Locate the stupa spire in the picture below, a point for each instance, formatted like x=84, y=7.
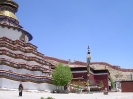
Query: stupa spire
x=9, y=22
x=8, y=8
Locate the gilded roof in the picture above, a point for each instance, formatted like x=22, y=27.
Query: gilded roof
x=8, y=14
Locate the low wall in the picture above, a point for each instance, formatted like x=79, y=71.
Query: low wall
x=11, y=84
x=127, y=86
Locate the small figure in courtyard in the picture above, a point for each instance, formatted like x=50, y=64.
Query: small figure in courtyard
x=88, y=88
x=106, y=91
x=81, y=89
x=20, y=88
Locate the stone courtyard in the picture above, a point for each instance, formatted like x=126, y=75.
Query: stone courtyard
x=38, y=95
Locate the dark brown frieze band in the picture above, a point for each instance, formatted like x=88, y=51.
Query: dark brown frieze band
x=23, y=44
x=4, y=61
x=21, y=56
x=20, y=48
x=16, y=48
x=24, y=77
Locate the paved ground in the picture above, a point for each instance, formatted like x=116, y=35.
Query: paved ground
x=38, y=95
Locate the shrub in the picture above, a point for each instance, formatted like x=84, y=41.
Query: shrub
x=46, y=98
x=112, y=83
x=41, y=98
x=101, y=84
x=49, y=98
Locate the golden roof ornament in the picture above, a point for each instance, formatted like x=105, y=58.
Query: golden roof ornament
x=9, y=3
x=8, y=8
x=8, y=14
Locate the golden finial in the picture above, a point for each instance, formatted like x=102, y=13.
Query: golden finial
x=8, y=14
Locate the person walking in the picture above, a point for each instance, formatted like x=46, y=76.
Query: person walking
x=20, y=89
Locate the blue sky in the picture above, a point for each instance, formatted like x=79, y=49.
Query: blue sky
x=64, y=29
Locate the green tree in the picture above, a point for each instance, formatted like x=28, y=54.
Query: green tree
x=62, y=75
x=112, y=83
x=101, y=84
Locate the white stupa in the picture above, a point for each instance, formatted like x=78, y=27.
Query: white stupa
x=19, y=60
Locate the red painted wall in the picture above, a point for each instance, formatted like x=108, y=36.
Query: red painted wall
x=103, y=78
x=127, y=86
x=84, y=75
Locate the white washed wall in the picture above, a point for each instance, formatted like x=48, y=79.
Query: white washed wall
x=20, y=71
x=45, y=74
x=0, y=82
x=11, y=33
x=37, y=73
x=17, y=52
x=20, y=60
x=33, y=55
x=118, y=84
x=10, y=84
